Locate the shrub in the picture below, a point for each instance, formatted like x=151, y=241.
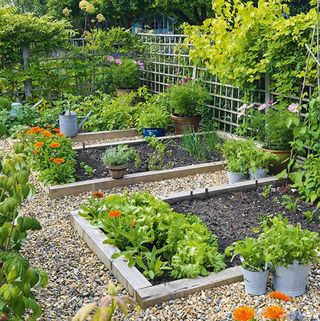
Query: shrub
x=188, y=98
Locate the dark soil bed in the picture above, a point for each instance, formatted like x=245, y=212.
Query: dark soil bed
x=174, y=153
x=234, y=216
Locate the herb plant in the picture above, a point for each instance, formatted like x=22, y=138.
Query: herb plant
x=153, y=116
x=285, y=243
x=120, y=155
x=156, y=159
x=188, y=98
x=251, y=254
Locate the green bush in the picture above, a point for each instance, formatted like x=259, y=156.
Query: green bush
x=188, y=98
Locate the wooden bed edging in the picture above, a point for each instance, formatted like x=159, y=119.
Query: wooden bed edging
x=136, y=284
x=133, y=280
x=108, y=134
x=55, y=191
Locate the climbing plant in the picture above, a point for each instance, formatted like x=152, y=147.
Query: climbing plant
x=244, y=41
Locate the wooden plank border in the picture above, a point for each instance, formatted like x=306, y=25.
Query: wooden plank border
x=136, y=284
x=55, y=191
x=110, y=134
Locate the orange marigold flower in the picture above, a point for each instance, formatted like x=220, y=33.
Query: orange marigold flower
x=46, y=133
x=98, y=194
x=58, y=160
x=243, y=313
x=55, y=145
x=36, y=130
x=56, y=130
x=274, y=312
x=279, y=295
x=38, y=144
x=114, y=213
x=60, y=134
x=35, y=152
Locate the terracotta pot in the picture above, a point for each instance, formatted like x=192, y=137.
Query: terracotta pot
x=278, y=166
x=122, y=92
x=118, y=172
x=182, y=124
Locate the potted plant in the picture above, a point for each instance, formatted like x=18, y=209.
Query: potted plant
x=255, y=269
x=260, y=163
x=291, y=250
x=154, y=120
x=117, y=159
x=268, y=125
x=237, y=154
x=187, y=99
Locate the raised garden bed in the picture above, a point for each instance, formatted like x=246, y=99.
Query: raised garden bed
x=91, y=155
x=184, y=165
x=137, y=285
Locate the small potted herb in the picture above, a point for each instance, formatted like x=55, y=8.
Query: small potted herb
x=154, y=120
x=260, y=163
x=117, y=159
x=291, y=250
x=237, y=156
x=187, y=100
x=255, y=269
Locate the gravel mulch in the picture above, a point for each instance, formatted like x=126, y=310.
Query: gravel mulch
x=76, y=276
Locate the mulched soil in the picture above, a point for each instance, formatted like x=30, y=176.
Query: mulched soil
x=233, y=216
x=174, y=153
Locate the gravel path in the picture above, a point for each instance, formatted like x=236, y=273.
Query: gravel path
x=77, y=276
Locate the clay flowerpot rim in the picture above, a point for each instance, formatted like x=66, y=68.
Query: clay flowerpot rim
x=175, y=116
x=118, y=167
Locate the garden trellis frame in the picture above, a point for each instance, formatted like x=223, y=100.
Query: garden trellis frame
x=167, y=61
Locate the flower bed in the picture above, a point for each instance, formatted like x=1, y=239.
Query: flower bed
x=50, y=154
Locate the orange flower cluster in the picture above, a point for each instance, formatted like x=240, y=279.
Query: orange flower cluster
x=58, y=160
x=34, y=130
x=243, y=313
x=38, y=145
x=274, y=312
x=98, y=194
x=55, y=145
x=35, y=152
x=114, y=214
x=279, y=295
x=44, y=132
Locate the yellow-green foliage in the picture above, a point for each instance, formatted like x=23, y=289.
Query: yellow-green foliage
x=245, y=41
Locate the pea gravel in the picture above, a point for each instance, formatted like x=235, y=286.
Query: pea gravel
x=76, y=276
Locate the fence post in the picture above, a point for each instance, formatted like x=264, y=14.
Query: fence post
x=27, y=83
x=267, y=87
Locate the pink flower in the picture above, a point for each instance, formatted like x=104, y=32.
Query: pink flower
x=293, y=108
x=263, y=107
x=167, y=85
x=140, y=64
x=185, y=80
x=118, y=61
x=110, y=58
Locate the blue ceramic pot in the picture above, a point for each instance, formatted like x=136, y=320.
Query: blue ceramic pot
x=157, y=132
